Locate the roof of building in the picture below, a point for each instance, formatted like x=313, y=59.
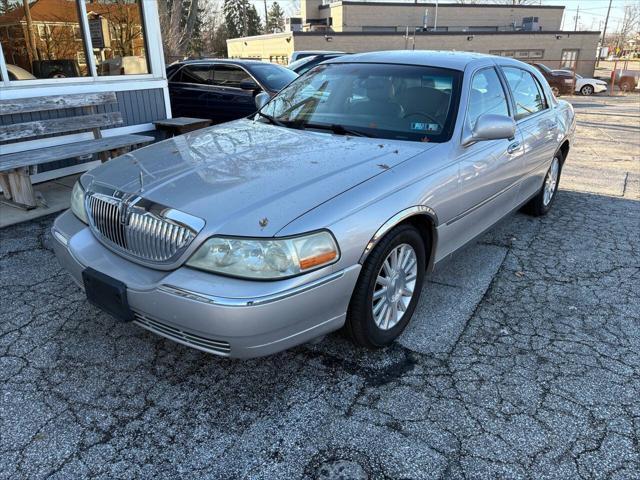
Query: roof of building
x=421, y=4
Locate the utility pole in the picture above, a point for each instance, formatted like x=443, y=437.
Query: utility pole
x=575, y=27
x=604, y=33
x=266, y=17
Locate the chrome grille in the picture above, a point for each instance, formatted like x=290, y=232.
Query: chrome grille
x=134, y=230
x=196, y=341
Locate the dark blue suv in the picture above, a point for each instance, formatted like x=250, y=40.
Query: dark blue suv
x=222, y=90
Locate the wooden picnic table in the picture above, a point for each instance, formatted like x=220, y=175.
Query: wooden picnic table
x=179, y=125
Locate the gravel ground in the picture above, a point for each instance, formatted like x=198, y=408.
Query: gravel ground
x=523, y=361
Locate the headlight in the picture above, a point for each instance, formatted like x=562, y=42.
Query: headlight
x=77, y=202
x=263, y=258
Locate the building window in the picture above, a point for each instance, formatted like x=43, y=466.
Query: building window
x=569, y=59
x=45, y=47
x=520, y=54
x=118, y=37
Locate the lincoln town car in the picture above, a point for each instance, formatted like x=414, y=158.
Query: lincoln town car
x=323, y=211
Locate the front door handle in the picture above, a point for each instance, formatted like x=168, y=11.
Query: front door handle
x=513, y=148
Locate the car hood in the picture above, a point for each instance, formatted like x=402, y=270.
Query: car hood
x=250, y=178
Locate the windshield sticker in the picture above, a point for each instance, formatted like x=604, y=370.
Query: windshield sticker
x=424, y=127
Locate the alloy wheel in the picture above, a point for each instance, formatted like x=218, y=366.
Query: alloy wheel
x=394, y=286
x=551, y=181
x=587, y=90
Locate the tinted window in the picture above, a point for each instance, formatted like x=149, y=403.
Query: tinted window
x=195, y=74
x=274, y=77
x=486, y=96
x=379, y=100
x=230, y=76
x=526, y=92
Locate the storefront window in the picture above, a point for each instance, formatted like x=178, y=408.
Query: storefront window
x=42, y=39
x=118, y=37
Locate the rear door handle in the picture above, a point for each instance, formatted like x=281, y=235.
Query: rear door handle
x=513, y=148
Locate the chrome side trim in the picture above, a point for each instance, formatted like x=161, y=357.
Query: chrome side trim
x=482, y=203
x=392, y=222
x=249, y=302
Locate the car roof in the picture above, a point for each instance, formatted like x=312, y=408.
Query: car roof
x=432, y=58
x=230, y=61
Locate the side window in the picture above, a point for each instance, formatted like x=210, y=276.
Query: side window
x=201, y=74
x=229, y=76
x=486, y=96
x=527, y=93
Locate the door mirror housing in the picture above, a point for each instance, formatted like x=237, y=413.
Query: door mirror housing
x=249, y=85
x=261, y=99
x=491, y=127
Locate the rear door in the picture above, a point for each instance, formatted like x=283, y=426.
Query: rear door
x=190, y=91
x=231, y=101
x=536, y=121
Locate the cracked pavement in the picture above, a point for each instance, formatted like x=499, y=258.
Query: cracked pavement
x=523, y=361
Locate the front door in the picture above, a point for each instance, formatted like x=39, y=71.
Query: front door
x=231, y=101
x=489, y=171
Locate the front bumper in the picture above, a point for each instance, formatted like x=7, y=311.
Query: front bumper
x=224, y=316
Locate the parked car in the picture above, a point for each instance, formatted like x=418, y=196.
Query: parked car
x=586, y=86
x=309, y=53
x=561, y=83
x=18, y=73
x=305, y=64
x=324, y=210
x=222, y=90
x=61, y=68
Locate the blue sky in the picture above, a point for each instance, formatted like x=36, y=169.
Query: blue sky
x=592, y=12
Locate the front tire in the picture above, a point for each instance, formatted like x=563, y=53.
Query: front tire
x=586, y=90
x=542, y=202
x=388, y=288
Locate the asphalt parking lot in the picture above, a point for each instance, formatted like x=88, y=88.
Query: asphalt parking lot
x=523, y=361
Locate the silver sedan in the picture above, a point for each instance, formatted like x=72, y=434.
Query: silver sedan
x=323, y=211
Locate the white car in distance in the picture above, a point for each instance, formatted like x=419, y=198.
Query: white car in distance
x=587, y=86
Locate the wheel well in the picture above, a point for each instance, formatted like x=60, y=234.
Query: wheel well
x=425, y=225
x=564, y=149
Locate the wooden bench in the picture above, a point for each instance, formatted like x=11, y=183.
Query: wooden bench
x=180, y=125
x=14, y=167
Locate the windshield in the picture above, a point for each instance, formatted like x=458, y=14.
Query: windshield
x=403, y=102
x=272, y=76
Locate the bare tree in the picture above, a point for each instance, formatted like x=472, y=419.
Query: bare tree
x=629, y=26
x=177, y=20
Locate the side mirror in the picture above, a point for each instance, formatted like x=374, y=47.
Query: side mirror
x=491, y=127
x=249, y=85
x=262, y=99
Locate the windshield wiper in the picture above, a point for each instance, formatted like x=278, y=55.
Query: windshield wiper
x=272, y=120
x=337, y=129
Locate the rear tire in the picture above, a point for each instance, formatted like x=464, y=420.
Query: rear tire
x=543, y=201
x=586, y=90
x=387, y=293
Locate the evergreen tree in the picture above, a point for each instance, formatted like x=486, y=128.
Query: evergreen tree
x=254, y=25
x=236, y=13
x=275, y=18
